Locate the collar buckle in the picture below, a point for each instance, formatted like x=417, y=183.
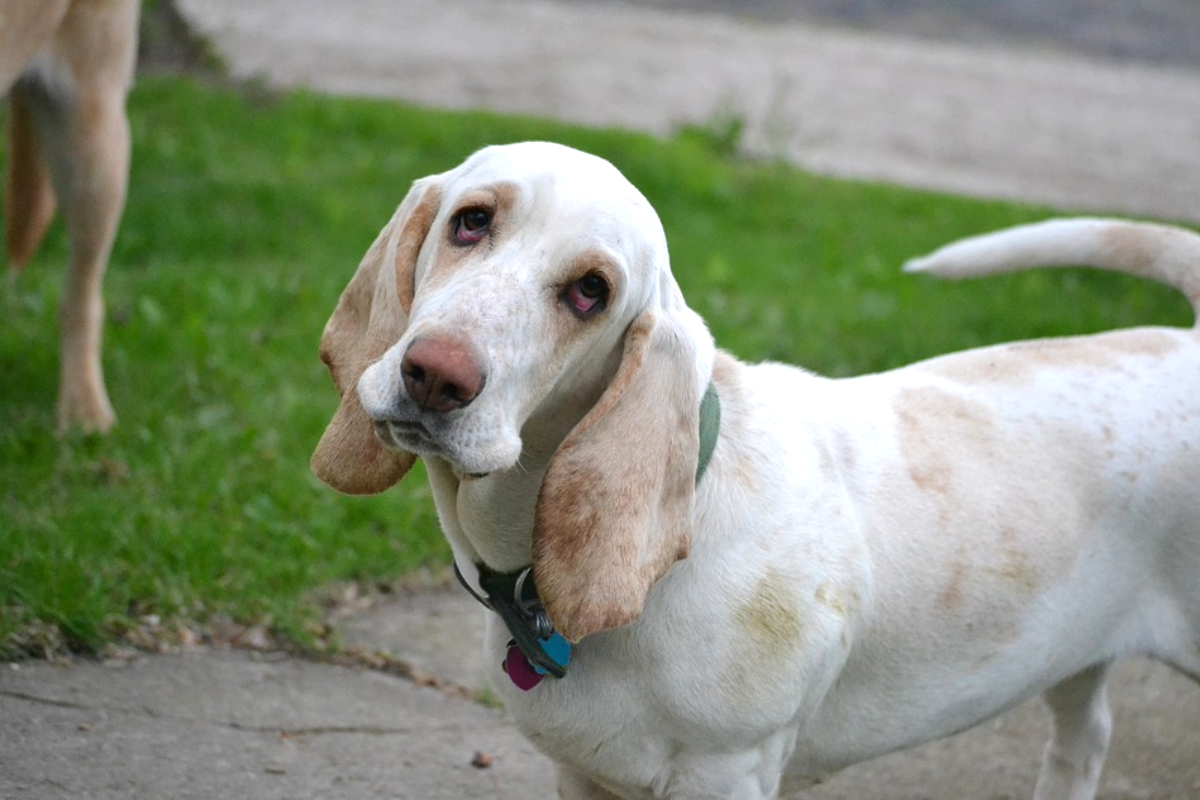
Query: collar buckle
x=513, y=596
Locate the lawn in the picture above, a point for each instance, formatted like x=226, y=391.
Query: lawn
x=248, y=213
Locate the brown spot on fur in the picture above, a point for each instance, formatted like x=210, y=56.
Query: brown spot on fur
x=725, y=370
x=1016, y=567
x=934, y=423
x=844, y=605
x=1099, y=351
x=1012, y=567
x=770, y=618
x=952, y=595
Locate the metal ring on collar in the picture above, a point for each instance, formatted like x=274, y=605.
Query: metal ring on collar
x=542, y=627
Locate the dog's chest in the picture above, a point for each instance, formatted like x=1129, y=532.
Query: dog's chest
x=657, y=699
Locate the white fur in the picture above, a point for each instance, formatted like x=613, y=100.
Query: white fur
x=876, y=562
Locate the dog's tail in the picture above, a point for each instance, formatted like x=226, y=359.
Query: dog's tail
x=1167, y=254
x=28, y=194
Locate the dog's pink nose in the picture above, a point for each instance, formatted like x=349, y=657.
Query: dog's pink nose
x=441, y=373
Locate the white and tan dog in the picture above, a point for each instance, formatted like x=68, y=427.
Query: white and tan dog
x=67, y=66
x=834, y=570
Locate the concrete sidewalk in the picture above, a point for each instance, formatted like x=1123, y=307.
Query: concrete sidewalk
x=1036, y=126
x=223, y=724
x=260, y=726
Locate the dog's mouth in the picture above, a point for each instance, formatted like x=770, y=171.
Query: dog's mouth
x=403, y=435
x=414, y=437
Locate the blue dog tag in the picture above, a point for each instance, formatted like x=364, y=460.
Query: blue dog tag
x=558, y=648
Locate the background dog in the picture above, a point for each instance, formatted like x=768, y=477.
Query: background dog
x=68, y=67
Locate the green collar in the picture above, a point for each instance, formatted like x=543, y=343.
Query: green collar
x=710, y=426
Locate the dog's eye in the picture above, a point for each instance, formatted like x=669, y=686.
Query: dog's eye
x=587, y=295
x=471, y=225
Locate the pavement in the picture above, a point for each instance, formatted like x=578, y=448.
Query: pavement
x=1047, y=126
x=222, y=723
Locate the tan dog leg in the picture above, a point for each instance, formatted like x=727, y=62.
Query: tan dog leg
x=69, y=116
x=93, y=194
x=25, y=28
x=29, y=196
x=86, y=143
x=90, y=173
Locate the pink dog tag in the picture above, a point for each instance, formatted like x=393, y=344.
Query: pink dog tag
x=519, y=670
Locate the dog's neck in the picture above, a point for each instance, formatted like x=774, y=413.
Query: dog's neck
x=489, y=520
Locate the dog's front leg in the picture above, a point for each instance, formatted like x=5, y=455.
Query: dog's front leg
x=78, y=108
x=92, y=173
x=1074, y=756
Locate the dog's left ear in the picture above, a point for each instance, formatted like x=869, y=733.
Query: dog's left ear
x=615, y=508
x=370, y=317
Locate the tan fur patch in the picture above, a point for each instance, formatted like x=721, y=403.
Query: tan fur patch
x=411, y=239
x=771, y=618
x=845, y=605
x=1147, y=250
x=988, y=526
x=934, y=423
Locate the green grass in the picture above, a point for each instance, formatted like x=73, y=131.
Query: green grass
x=246, y=216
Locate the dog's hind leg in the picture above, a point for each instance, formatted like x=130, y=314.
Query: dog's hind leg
x=1074, y=757
x=25, y=28
x=29, y=196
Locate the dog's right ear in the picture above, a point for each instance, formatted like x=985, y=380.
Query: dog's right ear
x=370, y=317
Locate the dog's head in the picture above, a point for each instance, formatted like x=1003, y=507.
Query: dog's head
x=520, y=310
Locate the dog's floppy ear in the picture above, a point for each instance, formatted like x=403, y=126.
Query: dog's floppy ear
x=370, y=317
x=615, y=508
